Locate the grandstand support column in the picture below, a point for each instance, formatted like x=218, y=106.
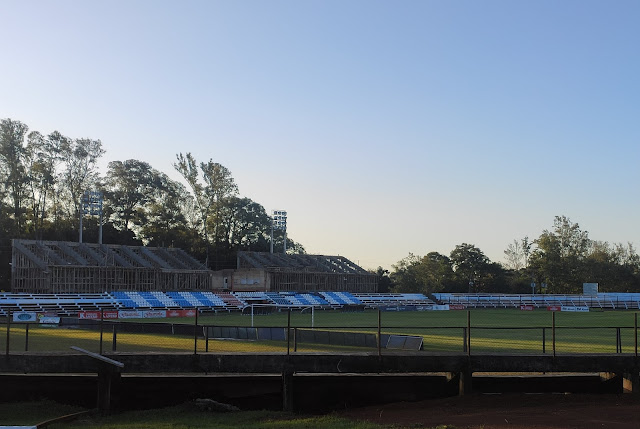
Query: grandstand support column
x=631, y=382
x=107, y=376
x=461, y=381
x=287, y=388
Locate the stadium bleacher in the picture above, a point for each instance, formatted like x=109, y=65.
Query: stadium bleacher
x=72, y=304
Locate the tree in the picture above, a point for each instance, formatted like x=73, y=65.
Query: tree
x=79, y=157
x=559, y=259
x=12, y=170
x=405, y=275
x=429, y=274
x=514, y=255
x=129, y=187
x=165, y=223
x=435, y=272
x=384, y=281
x=42, y=158
x=243, y=222
x=209, y=198
x=469, y=264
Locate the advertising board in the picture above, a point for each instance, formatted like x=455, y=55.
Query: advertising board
x=181, y=313
x=95, y=315
x=574, y=309
x=25, y=316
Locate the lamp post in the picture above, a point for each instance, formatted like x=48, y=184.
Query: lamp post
x=91, y=204
x=279, y=221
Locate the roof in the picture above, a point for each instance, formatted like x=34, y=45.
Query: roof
x=299, y=262
x=44, y=254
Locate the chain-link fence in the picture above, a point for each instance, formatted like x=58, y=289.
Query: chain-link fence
x=333, y=331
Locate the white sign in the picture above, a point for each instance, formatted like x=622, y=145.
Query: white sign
x=50, y=320
x=129, y=314
x=444, y=307
x=154, y=314
x=24, y=316
x=572, y=308
x=142, y=314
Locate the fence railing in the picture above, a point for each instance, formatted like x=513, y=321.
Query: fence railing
x=296, y=332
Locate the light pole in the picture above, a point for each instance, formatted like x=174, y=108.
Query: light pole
x=279, y=221
x=91, y=204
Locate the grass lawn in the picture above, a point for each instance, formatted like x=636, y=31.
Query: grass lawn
x=499, y=331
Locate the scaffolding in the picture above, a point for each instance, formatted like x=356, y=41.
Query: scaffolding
x=303, y=273
x=66, y=267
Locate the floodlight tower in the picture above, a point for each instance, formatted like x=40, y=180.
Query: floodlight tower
x=91, y=204
x=279, y=221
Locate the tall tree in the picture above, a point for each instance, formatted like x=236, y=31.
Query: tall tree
x=514, y=256
x=12, y=170
x=129, y=186
x=244, y=222
x=80, y=174
x=209, y=197
x=165, y=223
x=559, y=259
x=470, y=264
x=42, y=158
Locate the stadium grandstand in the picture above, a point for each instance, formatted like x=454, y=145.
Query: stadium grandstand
x=68, y=278
x=58, y=267
x=73, y=304
x=206, y=301
x=279, y=272
x=611, y=301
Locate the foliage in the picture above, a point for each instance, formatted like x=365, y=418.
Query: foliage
x=560, y=259
x=45, y=177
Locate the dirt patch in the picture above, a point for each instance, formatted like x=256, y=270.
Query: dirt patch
x=501, y=411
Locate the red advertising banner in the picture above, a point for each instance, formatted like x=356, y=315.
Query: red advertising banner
x=456, y=306
x=526, y=307
x=181, y=313
x=95, y=315
x=554, y=308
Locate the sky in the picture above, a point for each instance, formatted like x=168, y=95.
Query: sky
x=383, y=128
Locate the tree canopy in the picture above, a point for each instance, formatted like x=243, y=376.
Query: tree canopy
x=44, y=178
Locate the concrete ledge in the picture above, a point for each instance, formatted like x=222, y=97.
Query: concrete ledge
x=246, y=363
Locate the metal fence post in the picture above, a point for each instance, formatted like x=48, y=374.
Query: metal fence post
x=101, y=328
x=206, y=339
x=295, y=339
x=635, y=333
x=553, y=332
x=544, y=340
x=195, y=334
x=8, y=331
x=288, y=331
x=26, y=338
x=464, y=339
x=379, y=332
x=113, y=339
x=468, y=332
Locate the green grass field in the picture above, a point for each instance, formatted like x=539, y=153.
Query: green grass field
x=492, y=331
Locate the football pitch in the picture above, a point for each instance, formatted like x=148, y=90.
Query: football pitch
x=499, y=331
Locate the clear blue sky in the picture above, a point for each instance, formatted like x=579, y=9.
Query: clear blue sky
x=382, y=127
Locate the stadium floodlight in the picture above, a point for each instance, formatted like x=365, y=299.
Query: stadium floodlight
x=91, y=204
x=279, y=221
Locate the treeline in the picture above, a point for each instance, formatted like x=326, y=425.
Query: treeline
x=560, y=260
x=44, y=178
